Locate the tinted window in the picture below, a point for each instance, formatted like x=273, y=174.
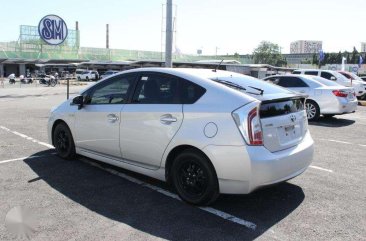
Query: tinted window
x=166, y=89
x=326, y=75
x=157, y=89
x=114, y=91
x=296, y=72
x=190, y=92
x=281, y=108
x=291, y=82
x=311, y=73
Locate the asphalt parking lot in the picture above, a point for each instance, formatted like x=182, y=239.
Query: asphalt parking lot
x=87, y=200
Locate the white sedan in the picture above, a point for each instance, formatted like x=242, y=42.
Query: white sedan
x=325, y=97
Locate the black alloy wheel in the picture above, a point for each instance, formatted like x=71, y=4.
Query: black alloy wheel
x=194, y=178
x=63, y=142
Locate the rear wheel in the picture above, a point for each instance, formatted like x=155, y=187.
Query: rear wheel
x=87, y=78
x=312, y=110
x=194, y=178
x=63, y=141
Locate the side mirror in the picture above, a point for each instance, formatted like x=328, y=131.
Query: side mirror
x=333, y=78
x=79, y=101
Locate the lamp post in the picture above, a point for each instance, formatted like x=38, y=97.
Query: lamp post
x=169, y=34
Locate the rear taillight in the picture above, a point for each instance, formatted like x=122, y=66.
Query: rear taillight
x=340, y=93
x=254, y=128
x=248, y=122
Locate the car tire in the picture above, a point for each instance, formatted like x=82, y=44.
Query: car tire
x=87, y=78
x=64, y=142
x=79, y=79
x=328, y=116
x=194, y=178
x=312, y=110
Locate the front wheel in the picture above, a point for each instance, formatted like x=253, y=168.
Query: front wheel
x=194, y=178
x=64, y=142
x=312, y=110
x=53, y=83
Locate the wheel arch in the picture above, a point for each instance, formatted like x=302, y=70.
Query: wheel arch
x=175, y=152
x=57, y=122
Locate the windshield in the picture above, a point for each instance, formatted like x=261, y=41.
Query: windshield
x=355, y=77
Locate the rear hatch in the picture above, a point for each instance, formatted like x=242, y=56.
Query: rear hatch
x=284, y=122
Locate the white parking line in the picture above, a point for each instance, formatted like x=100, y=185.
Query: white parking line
x=320, y=168
x=216, y=212
x=342, y=142
x=331, y=140
x=26, y=137
x=22, y=158
x=213, y=211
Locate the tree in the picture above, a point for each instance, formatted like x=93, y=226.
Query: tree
x=268, y=53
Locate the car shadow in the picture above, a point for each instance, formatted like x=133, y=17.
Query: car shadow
x=332, y=122
x=151, y=212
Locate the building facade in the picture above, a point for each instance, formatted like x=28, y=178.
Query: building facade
x=363, y=47
x=305, y=47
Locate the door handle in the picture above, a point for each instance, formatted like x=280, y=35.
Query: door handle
x=112, y=118
x=167, y=119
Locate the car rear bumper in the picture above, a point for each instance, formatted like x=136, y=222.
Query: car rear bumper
x=243, y=169
x=344, y=106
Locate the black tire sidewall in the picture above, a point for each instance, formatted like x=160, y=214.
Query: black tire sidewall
x=212, y=190
x=70, y=153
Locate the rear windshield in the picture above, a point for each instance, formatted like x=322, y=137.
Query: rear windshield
x=325, y=81
x=248, y=82
x=281, y=107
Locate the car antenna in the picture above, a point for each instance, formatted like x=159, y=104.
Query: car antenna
x=215, y=70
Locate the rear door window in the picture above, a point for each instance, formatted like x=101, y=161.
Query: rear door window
x=327, y=75
x=291, y=82
x=156, y=88
x=311, y=73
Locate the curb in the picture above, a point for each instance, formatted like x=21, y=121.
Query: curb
x=362, y=102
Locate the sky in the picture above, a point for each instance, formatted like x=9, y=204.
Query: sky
x=225, y=26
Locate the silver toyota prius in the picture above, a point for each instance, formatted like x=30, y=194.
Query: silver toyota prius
x=194, y=128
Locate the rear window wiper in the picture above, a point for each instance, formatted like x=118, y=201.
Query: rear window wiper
x=231, y=84
x=260, y=90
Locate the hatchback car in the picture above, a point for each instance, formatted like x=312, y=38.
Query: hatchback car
x=193, y=128
x=325, y=97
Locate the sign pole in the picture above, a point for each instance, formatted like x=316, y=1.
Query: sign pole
x=68, y=84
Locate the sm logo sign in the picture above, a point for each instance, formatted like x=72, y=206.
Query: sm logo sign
x=52, y=29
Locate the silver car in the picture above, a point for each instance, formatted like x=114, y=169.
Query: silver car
x=195, y=129
x=325, y=97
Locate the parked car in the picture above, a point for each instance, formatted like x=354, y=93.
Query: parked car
x=325, y=97
x=88, y=75
x=108, y=73
x=353, y=77
x=195, y=129
x=360, y=88
x=363, y=78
